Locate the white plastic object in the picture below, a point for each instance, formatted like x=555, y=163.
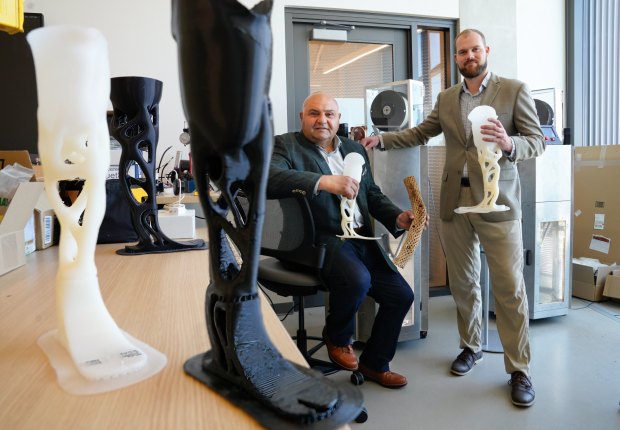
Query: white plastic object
x=488, y=155
x=73, y=85
x=353, y=165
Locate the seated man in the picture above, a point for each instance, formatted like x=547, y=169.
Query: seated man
x=312, y=162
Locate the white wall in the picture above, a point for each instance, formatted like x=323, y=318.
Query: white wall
x=541, y=43
x=498, y=21
x=141, y=44
x=527, y=38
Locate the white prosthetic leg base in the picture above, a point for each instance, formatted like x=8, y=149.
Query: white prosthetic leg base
x=73, y=382
x=99, y=356
x=481, y=209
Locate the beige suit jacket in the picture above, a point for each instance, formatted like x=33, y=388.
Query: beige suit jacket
x=515, y=110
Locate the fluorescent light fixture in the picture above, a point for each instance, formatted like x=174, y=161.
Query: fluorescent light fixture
x=329, y=34
x=357, y=57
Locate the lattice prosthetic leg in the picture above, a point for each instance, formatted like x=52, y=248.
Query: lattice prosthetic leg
x=73, y=85
x=347, y=208
x=488, y=156
x=353, y=165
x=225, y=58
x=414, y=234
x=135, y=125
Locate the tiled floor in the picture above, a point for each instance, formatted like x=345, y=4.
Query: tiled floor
x=575, y=370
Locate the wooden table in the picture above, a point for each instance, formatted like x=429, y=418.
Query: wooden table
x=158, y=299
x=186, y=198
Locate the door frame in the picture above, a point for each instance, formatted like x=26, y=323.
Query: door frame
x=409, y=23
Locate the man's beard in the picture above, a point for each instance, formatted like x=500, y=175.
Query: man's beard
x=477, y=71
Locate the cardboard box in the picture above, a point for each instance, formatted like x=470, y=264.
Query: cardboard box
x=596, y=220
x=17, y=227
x=23, y=158
x=612, y=285
x=589, y=280
x=46, y=228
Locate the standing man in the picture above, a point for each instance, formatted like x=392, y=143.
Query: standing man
x=312, y=162
x=518, y=134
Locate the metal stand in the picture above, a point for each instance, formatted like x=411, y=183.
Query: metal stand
x=490, y=338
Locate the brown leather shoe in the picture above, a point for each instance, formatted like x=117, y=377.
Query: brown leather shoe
x=342, y=356
x=387, y=379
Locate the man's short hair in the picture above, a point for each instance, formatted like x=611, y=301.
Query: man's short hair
x=471, y=30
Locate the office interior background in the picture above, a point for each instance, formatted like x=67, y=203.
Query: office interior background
x=549, y=44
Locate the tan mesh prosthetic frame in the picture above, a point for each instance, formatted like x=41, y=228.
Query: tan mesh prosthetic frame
x=417, y=225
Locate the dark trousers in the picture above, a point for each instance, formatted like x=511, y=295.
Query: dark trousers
x=359, y=270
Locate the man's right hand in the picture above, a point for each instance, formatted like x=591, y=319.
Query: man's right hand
x=340, y=185
x=370, y=142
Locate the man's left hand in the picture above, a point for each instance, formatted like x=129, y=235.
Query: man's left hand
x=495, y=133
x=404, y=220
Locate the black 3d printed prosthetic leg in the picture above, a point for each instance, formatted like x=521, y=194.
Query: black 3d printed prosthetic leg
x=225, y=65
x=135, y=125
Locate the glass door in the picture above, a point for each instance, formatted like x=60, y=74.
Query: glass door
x=369, y=56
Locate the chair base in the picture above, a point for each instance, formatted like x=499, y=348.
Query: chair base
x=323, y=366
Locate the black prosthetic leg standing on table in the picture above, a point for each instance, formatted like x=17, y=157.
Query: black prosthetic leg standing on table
x=135, y=125
x=225, y=65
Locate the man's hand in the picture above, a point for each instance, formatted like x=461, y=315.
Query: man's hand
x=370, y=142
x=495, y=133
x=405, y=219
x=340, y=185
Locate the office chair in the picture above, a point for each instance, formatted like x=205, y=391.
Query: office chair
x=290, y=264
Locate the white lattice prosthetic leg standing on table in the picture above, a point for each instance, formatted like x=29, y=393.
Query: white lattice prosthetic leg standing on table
x=488, y=155
x=73, y=83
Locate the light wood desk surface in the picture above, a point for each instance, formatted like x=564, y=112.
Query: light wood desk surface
x=156, y=298
x=186, y=198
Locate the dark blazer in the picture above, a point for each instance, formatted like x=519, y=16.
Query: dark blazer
x=297, y=165
x=515, y=110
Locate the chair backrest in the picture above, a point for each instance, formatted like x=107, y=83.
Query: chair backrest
x=289, y=234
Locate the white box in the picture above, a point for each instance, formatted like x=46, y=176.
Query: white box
x=17, y=236
x=178, y=226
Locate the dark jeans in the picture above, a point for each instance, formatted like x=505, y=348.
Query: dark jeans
x=359, y=270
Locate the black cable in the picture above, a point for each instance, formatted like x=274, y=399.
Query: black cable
x=288, y=313
x=162, y=157
x=272, y=304
x=265, y=293
x=161, y=175
x=161, y=172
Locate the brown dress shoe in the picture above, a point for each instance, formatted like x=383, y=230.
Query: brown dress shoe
x=387, y=379
x=342, y=356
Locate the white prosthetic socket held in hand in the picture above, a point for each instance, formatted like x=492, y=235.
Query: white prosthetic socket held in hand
x=353, y=165
x=88, y=351
x=488, y=155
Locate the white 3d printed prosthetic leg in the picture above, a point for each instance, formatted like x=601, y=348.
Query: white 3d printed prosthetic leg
x=353, y=165
x=488, y=155
x=88, y=351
